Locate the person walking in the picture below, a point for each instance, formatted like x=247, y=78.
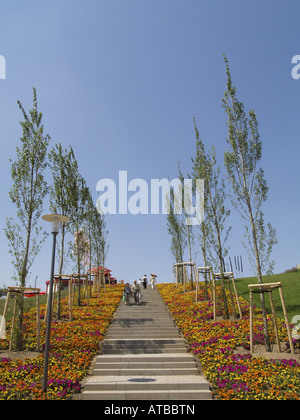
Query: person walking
x=145, y=281
x=152, y=281
x=136, y=292
x=127, y=293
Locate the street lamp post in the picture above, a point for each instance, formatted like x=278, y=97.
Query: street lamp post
x=55, y=219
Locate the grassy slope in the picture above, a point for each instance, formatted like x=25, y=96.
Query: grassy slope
x=28, y=304
x=290, y=287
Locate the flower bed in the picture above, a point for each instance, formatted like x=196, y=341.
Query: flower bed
x=73, y=347
x=232, y=375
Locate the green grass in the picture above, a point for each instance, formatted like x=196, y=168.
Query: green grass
x=28, y=304
x=291, y=292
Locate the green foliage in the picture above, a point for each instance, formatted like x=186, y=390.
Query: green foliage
x=248, y=182
x=63, y=165
x=214, y=230
x=176, y=230
x=27, y=194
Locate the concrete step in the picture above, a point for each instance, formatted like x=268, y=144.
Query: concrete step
x=137, y=341
x=142, y=327
x=115, y=344
x=124, y=383
x=154, y=395
x=139, y=365
x=140, y=331
x=139, y=314
x=175, y=357
x=146, y=371
x=148, y=327
x=124, y=320
x=142, y=334
x=132, y=345
x=145, y=350
x=147, y=346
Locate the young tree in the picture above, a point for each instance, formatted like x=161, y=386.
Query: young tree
x=176, y=228
x=187, y=228
x=248, y=181
x=27, y=193
x=98, y=236
x=80, y=197
x=63, y=165
x=205, y=227
x=205, y=167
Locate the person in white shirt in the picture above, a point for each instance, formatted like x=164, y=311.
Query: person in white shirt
x=145, y=281
x=152, y=281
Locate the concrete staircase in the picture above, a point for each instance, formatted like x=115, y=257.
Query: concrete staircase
x=144, y=358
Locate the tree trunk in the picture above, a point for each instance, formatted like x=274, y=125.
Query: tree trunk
x=260, y=281
x=19, y=325
x=60, y=271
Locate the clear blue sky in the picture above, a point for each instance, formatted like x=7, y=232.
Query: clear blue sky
x=120, y=80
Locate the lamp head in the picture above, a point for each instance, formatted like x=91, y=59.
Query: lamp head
x=55, y=219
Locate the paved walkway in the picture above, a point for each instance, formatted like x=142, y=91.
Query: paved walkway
x=145, y=358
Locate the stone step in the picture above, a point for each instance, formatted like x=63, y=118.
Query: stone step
x=146, y=371
x=175, y=357
x=147, y=317
x=145, y=395
x=132, y=345
x=142, y=335
x=136, y=351
x=135, y=322
x=139, y=365
x=112, y=383
x=162, y=331
x=148, y=327
x=141, y=325
x=141, y=314
x=143, y=343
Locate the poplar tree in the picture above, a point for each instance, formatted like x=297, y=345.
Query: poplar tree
x=205, y=167
x=248, y=182
x=27, y=194
x=80, y=197
x=186, y=227
x=63, y=165
x=176, y=228
x=97, y=235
